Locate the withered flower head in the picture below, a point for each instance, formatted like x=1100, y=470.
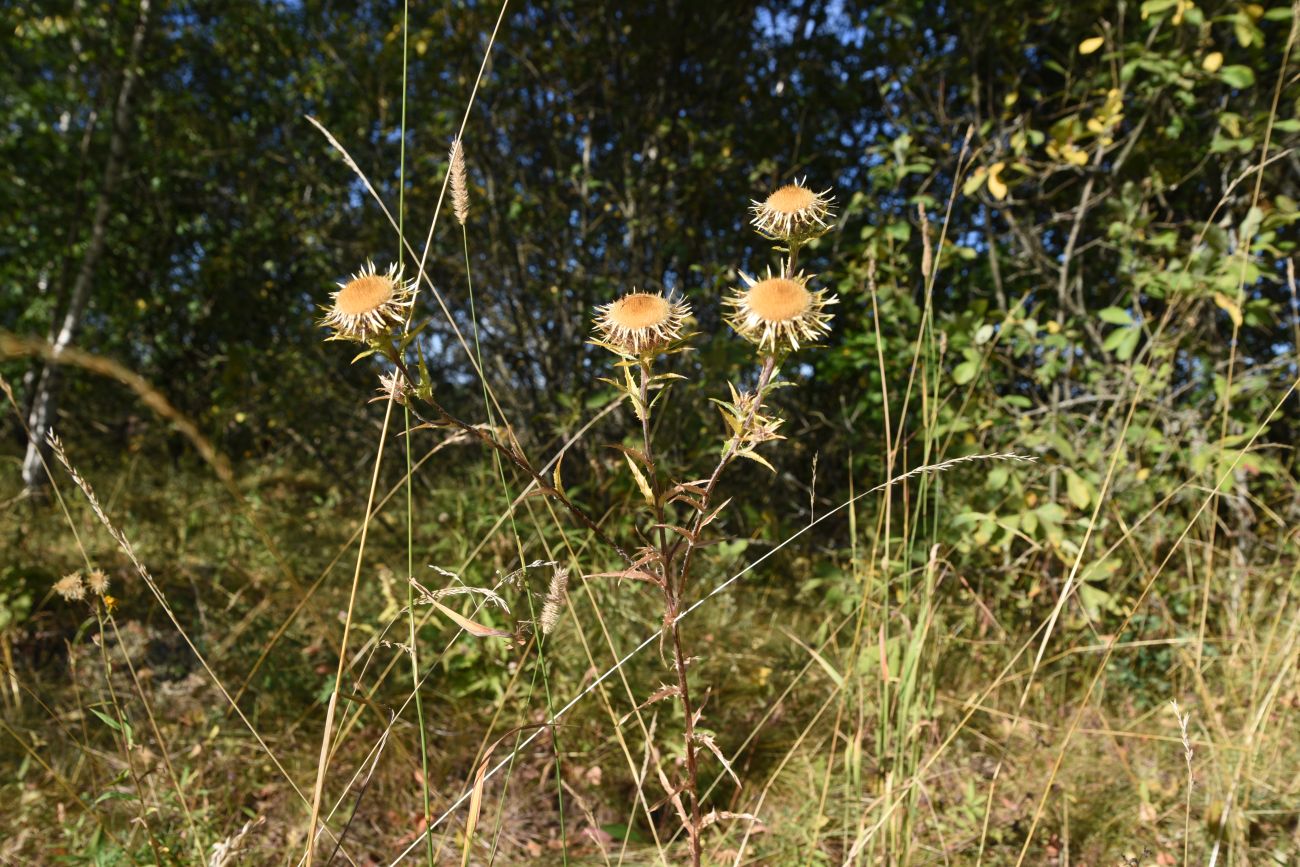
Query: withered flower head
x=393, y=386
x=97, y=581
x=70, y=587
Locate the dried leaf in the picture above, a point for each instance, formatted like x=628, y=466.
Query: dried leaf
x=715, y=816
x=707, y=740
x=708, y=519
x=478, y=630
x=633, y=574
x=663, y=692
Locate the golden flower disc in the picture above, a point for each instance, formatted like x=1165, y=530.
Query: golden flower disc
x=640, y=310
x=779, y=312
x=791, y=199
x=363, y=294
x=368, y=304
x=778, y=299
x=640, y=322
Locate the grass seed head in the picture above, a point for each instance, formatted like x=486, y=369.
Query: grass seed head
x=793, y=212
x=641, y=322
x=556, y=597
x=459, y=188
x=776, y=313
x=368, y=304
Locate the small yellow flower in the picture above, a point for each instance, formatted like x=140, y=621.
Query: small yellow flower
x=776, y=313
x=640, y=322
x=110, y=603
x=793, y=212
x=70, y=587
x=369, y=303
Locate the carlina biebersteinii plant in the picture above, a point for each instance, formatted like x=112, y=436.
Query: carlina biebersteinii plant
x=780, y=314
x=793, y=211
x=640, y=323
x=779, y=311
x=369, y=304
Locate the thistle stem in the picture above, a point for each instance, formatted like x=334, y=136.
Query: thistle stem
x=671, y=607
x=511, y=455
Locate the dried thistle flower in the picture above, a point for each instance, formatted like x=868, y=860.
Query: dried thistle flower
x=556, y=596
x=793, y=212
x=775, y=313
x=369, y=303
x=459, y=189
x=393, y=386
x=640, y=322
x=70, y=587
x=97, y=581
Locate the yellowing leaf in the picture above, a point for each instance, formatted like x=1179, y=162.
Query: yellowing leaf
x=1229, y=306
x=478, y=630
x=1212, y=61
x=1078, y=490
x=756, y=458
x=641, y=481
x=996, y=185
x=1088, y=46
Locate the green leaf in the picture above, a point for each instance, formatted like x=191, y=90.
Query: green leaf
x=1237, y=76
x=107, y=720
x=965, y=372
x=1050, y=513
x=1078, y=490
x=1122, y=342
x=1115, y=316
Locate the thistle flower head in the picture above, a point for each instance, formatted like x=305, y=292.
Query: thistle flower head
x=459, y=188
x=369, y=303
x=70, y=587
x=775, y=313
x=97, y=581
x=793, y=212
x=640, y=322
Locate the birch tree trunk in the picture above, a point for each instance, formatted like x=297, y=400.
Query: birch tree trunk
x=44, y=402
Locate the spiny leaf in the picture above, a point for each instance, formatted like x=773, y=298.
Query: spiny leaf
x=756, y=458
x=641, y=481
